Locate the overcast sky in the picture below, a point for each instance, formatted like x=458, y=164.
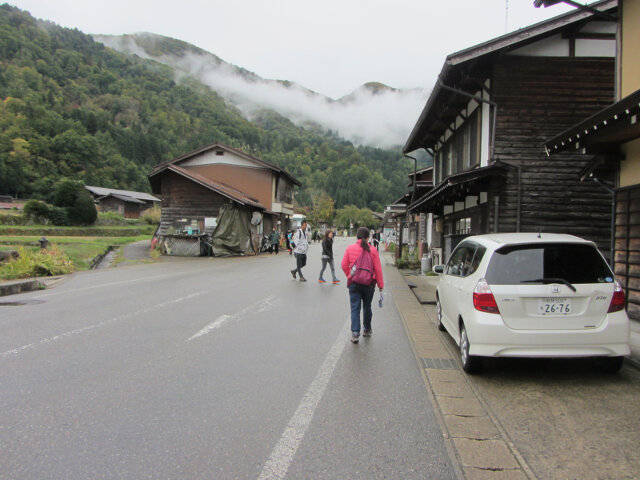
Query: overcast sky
x=330, y=46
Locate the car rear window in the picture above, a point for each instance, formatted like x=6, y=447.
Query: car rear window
x=575, y=263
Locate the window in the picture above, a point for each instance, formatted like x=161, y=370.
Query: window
x=463, y=226
x=474, y=125
x=465, y=259
x=575, y=263
x=459, y=148
x=440, y=175
x=461, y=152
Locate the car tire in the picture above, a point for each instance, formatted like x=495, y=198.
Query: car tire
x=609, y=364
x=470, y=363
x=439, y=315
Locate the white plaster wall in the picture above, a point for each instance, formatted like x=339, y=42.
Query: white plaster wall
x=210, y=158
x=555, y=46
x=486, y=133
x=595, y=48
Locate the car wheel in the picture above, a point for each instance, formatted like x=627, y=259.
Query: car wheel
x=439, y=315
x=609, y=364
x=470, y=364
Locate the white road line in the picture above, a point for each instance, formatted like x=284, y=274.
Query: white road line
x=119, y=282
x=282, y=455
x=46, y=341
x=258, y=307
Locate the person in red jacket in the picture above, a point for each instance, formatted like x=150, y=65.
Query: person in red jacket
x=361, y=295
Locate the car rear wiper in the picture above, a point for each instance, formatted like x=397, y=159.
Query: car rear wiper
x=551, y=280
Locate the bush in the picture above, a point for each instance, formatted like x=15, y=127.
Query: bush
x=77, y=203
x=13, y=219
x=110, y=218
x=408, y=260
x=151, y=216
x=58, y=216
x=66, y=192
x=36, y=210
x=83, y=211
x=38, y=263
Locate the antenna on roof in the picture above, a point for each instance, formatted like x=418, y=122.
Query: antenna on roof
x=506, y=16
x=540, y=232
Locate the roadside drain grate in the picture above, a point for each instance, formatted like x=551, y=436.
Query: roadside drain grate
x=439, y=363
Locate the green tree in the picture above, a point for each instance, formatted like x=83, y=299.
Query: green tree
x=83, y=211
x=322, y=207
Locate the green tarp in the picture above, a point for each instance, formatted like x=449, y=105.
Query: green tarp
x=232, y=235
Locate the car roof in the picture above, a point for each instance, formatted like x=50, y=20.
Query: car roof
x=497, y=240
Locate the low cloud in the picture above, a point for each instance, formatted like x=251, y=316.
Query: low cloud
x=381, y=117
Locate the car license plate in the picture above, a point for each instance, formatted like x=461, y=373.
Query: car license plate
x=554, y=306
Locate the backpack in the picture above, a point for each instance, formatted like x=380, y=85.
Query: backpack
x=362, y=270
x=293, y=245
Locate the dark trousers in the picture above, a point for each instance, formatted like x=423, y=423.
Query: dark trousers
x=274, y=246
x=361, y=295
x=301, y=261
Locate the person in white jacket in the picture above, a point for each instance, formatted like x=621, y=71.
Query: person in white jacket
x=301, y=242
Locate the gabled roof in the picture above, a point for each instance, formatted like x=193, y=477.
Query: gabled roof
x=235, y=151
x=124, y=198
x=103, y=192
x=220, y=188
x=443, y=105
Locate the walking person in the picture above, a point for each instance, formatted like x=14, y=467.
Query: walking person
x=327, y=257
x=300, y=247
x=376, y=240
x=288, y=240
x=274, y=238
x=361, y=265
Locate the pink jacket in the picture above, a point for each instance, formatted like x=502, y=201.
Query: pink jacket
x=351, y=255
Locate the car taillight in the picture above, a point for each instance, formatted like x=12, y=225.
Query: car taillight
x=617, y=301
x=483, y=299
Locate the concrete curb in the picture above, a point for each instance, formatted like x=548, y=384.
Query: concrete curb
x=20, y=286
x=479, y=447
x=28, y=285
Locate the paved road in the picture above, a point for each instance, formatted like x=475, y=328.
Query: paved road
x=209, y=369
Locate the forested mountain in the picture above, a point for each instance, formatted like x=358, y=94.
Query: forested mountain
x=70, y=107
x=373, y=114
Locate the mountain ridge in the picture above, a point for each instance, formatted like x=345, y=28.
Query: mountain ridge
x=72, y=108
x=373, y=114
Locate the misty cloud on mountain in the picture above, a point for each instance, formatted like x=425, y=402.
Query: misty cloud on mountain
x=373, y=115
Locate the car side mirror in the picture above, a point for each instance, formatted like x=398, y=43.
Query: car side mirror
x=439, y=269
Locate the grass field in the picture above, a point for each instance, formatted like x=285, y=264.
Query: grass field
x=81, y=250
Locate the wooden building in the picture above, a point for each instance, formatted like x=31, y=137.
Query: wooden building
x=406, y=229
x=127, y=203
x=488, y=116
x=609, y=141
x=195, y=186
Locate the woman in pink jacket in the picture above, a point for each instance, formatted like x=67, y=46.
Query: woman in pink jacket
x=361, y=294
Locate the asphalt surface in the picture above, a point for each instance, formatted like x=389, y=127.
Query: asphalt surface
x=210, y=368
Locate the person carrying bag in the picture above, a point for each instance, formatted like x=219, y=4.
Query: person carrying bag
x=361, y=264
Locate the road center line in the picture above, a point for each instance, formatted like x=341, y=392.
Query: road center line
x=282, y=455
x=17, y=351
x=258, y=307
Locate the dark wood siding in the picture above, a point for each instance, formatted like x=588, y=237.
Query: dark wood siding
x=538, y=98
x=185, y=199
x=627, y=258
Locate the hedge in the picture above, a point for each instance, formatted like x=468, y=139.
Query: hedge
x=77, y=231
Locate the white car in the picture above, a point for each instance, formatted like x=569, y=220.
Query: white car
x=531, y=295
